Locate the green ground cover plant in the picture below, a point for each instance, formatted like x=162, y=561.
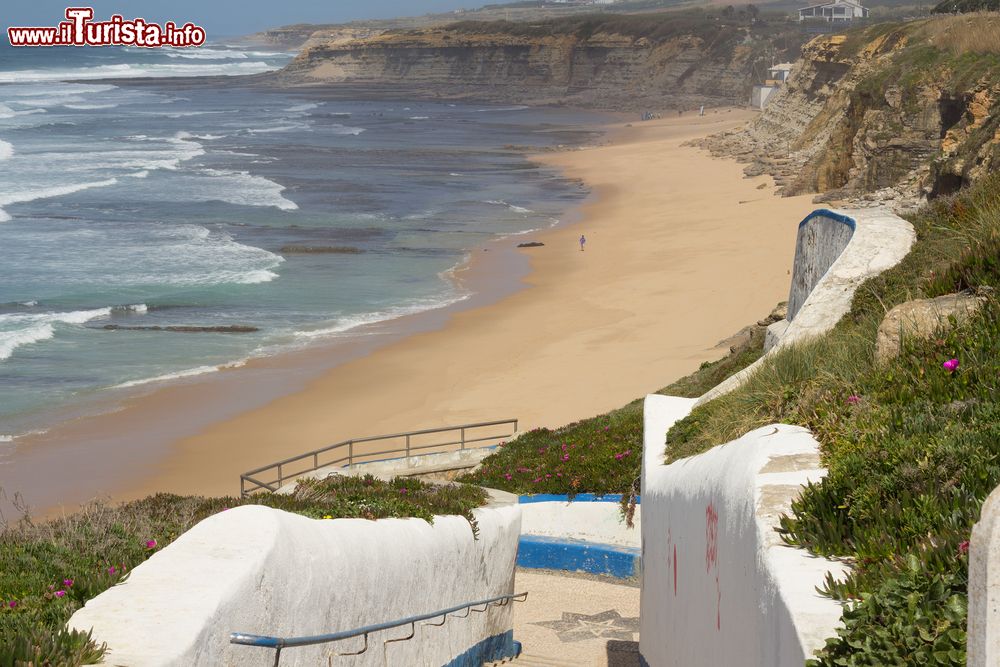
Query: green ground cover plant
x=600, y=455
x=49, y=569
x=912, y=445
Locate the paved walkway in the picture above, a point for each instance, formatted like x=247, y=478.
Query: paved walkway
x=576, y=620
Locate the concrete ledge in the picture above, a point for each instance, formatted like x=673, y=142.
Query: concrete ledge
x=586, y=518
x=405, y=466
x=551, y=553
x=719, y=585
x=258, y=570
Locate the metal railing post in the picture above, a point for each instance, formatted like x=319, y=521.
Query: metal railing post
x=407, y=445
x=463, y=437
x=350, y=453
x=281, y=477
x=315, y=460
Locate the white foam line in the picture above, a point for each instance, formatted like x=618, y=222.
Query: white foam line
x=47, y=193
x=179, y=375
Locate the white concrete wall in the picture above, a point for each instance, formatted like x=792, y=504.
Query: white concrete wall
x=257, y=570
x=598, y=522
x=719, y=586
x=984, y=586
x=880, y=241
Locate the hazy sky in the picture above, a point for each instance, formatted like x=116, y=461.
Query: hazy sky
x=227, y=17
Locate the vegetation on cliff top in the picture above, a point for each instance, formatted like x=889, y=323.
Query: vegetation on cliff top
x=966, y=6
x=912, y=446
x=49, y=570
x=721, y=31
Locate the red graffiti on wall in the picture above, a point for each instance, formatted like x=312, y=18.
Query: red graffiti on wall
x=712, y=557
x=672, y=560
x=711, y=537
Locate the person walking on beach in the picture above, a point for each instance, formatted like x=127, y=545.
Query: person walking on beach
x=583, y=242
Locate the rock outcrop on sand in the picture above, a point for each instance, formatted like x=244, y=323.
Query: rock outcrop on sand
x=229, y=329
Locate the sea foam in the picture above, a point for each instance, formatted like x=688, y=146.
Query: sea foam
x=17, y=330
x=23, y=196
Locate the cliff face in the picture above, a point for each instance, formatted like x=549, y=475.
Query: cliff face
x=601, y=70
x=894, y=113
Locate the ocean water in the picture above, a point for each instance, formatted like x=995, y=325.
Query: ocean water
x=170, y=205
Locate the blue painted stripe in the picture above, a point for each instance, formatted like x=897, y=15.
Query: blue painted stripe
x=827, y=213
x=552, y=553
x=497, y=647
x=578, y=498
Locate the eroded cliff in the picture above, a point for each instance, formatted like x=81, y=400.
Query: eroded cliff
x=613, y=66
x=893, y=113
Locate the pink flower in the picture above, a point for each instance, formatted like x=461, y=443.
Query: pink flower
x=607, y=428
x=618, y=457
x=403, y=491
x=951, y=365
x=12, y=604
x=68, y=583
x=963, y=547
x=565, y=457
x=111, y=570
x=853, y=399
x=508, y=477
x=150, y=544
x=60, y=594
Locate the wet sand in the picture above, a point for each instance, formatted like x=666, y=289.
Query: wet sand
x=682, y=251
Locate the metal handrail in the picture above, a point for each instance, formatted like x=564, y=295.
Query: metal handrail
x=280, y=643
x=352, y=457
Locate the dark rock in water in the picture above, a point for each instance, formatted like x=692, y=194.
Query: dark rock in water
x=530, y=244
x=320, y=250
x=231, y=329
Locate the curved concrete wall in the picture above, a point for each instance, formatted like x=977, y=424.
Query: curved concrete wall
x=822, y=237
x=719, y=586
x=583, y=518
x=880, y=240
x=262, y=571
x=586, y=534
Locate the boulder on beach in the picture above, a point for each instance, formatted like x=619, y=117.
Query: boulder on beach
x=320, y=250
x=530, y=244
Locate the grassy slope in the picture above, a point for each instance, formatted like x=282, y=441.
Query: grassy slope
x=912, y=449
x=49, y=570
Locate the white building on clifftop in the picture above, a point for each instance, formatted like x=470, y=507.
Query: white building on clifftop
x=838, y=11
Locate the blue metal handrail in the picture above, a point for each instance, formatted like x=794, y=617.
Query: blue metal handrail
x=279, y=643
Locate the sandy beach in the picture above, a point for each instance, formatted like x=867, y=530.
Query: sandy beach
x=682, y=251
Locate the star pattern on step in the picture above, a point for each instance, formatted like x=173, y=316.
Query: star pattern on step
x=604, y=625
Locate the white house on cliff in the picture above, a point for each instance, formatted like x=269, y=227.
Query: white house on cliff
x=837, y=11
